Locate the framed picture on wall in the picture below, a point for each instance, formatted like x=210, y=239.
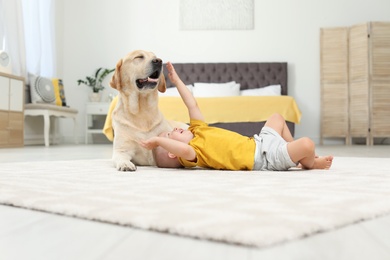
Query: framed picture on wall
x=216, y=14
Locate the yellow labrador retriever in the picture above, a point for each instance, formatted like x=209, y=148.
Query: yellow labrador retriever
x=138, y=77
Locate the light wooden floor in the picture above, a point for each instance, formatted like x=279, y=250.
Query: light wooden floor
x=27, y=234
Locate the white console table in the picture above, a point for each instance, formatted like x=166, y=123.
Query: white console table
x=94, y=109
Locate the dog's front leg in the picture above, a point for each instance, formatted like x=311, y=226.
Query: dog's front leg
x=122, y=161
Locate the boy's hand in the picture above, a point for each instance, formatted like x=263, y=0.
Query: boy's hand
x=186, y=95
x=172, y=75
x=149, y=144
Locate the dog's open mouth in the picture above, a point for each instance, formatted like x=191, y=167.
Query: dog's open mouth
x=149, y=82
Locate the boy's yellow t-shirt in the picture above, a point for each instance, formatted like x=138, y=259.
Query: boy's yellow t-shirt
x=219, y=148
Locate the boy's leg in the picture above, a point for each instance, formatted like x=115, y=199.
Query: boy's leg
x=303, y=151
x=277, y=122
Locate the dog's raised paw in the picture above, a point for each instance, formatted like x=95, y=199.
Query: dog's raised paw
x=126, y=166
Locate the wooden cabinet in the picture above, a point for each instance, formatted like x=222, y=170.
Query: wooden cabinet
x=11, y=111
x=368, y=78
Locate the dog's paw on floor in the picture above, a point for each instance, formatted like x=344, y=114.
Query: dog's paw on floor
x=125, y=166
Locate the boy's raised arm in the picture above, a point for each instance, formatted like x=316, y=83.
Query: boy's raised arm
x=186, y=95
x=177, y=148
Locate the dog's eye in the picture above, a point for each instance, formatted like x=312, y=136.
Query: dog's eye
x=139, y=57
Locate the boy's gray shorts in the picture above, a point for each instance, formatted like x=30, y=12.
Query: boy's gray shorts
x=271, y=152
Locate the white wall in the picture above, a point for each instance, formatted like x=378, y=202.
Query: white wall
x=95, y=33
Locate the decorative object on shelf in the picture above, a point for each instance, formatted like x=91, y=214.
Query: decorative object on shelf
x=5, y=62
x=95, y=82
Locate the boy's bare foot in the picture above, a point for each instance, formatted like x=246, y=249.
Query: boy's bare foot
x=173, y=77
x=324, y=162
x=301, y=166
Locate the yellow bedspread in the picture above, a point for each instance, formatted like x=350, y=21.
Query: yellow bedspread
x=233, y=109
x=224, y=109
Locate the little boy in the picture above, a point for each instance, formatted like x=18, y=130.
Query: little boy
x=210, y=147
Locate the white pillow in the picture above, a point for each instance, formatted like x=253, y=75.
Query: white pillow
x=216, y=89
x=41, y=89
x=173, y=92
x=272, y=90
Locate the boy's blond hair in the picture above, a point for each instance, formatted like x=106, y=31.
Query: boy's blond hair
x=162, y=159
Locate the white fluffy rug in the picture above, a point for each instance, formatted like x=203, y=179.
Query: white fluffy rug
x=247, y=208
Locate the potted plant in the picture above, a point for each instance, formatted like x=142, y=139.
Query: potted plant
x=95, y=82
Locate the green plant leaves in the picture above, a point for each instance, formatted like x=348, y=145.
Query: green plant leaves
x=96, y=82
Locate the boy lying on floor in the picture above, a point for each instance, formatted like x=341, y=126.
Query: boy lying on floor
x=211, y=147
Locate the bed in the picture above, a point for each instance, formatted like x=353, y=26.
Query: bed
x=219, y=89
x=243, y=114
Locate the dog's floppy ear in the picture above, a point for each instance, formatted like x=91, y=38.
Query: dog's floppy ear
x=116, y=78
x=162, y=85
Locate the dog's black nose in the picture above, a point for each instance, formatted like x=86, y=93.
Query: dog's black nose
x=157, y=61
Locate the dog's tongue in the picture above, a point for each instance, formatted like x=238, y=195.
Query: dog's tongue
x=152, y=80
x=148, y=80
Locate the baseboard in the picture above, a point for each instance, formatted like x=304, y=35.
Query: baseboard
x=358, y=141
x=40, y=140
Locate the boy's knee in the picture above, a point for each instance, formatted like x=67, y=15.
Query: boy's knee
x=276, y=117
x=307, y=144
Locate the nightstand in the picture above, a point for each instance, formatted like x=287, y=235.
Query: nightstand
x=95, y=109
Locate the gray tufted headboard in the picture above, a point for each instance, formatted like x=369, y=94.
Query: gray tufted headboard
x=249, y=75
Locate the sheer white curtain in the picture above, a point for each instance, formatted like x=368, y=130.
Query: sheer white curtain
x=12, y=38
x=27, y=30
x=39, y=31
